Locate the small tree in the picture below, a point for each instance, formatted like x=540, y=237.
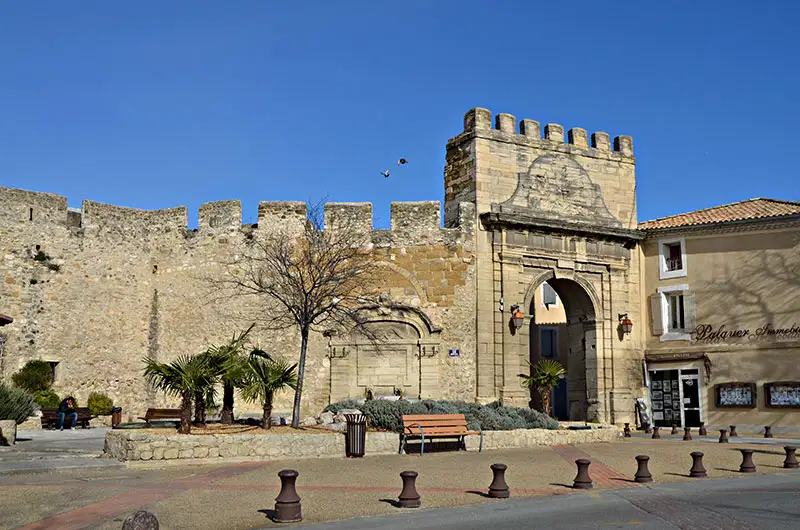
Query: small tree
x=544, y=376
x=35, y=376
x=227, y=361
x=183, y=377
x=311, y=279
x=262, y=377
x=99, y=404
x=15, y=403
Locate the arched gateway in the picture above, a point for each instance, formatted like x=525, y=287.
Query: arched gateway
x=558, y=211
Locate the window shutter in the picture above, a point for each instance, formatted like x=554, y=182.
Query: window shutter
x=689, y=318
x=655, y=306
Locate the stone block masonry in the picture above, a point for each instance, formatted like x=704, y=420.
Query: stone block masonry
x=95, y=291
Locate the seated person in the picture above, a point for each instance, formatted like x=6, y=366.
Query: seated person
x=67, y=410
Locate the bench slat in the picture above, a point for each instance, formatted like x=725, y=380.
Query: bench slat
x=431, y=416
x=453, y=423
x=440, y=432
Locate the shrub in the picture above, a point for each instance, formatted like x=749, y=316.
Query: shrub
x=35, y=376
x=336, y=408
x=494, y=416
x=46, y=399
x=15, y=403
x=99, y=404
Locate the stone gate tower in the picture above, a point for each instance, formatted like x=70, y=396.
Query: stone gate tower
x=561, y=210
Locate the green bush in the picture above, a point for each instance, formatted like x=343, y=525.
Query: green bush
x=15, y=403
x=47, y=399
x=99, y=404
x=336, y=408
x=35, y=376
x=492, y=417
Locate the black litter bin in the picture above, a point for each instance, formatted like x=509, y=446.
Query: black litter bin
x=355, y=438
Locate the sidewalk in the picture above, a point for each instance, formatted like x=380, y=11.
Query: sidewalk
x=46, y=450
x=238, y=496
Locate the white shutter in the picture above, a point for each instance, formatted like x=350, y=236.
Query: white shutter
x=689, y=312
x=655, y=306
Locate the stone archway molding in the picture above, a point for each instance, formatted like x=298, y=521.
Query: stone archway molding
x=558, y=274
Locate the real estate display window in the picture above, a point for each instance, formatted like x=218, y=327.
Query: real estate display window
x=734, y=394
x=782, y=394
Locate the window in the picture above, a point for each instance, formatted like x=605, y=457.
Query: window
x=676, y=320
x=673, y=312
x=548, y=342
x=672, y=258
x=549, y=296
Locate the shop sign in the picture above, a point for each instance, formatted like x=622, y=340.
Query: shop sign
x=709, y=334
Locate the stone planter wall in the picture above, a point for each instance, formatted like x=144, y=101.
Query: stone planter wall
x=8, y=432
x=128, y=445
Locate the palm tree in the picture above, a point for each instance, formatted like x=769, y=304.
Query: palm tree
x=184, y=377
x=227, y=362
x=262, y=376
x=544, y=375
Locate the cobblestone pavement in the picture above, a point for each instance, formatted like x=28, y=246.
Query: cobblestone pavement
x=241, y=495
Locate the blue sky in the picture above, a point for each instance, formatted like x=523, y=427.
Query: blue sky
x=152, y=104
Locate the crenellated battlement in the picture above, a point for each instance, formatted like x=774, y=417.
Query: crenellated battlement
x=411, y=222
x=479, y=120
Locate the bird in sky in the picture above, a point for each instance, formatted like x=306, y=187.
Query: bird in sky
x=400, y=162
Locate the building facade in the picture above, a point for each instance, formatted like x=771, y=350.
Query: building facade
x=535, y=220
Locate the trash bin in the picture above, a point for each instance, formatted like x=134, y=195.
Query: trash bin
x=355, y=438
x=116, y=416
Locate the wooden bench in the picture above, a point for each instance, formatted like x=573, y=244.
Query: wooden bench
x=161, y=414
x=430, y=426
x=50, y=417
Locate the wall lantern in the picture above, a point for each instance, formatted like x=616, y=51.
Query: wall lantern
x=517, y=317
x=625, y=323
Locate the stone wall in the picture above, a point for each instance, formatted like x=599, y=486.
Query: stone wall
x=131, y=446
x=96, y=291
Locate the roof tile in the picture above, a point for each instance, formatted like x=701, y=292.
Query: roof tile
x=750, y=209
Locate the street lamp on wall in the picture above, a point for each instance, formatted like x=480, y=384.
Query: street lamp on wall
x=625, y=323
x=517, y=318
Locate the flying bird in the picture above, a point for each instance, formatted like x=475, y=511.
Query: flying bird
x=385, y=173
x=402, y=161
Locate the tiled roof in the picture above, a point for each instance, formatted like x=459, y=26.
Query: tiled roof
x=743, y=210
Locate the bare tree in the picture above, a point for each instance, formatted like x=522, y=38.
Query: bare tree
x=313, y=279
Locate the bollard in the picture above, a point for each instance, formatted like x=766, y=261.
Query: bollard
x=409, y=498
x=287, y=503
x=582, y=480
x=642, y=473
x=141, y=520
x=626, y=432
x=767, y=431
x=687, y=434
x=498, y=489
x=702, y=431
x=656, y=435
x=674, y=428
x=791, y=460
x=697, y=471
x=733, y=431
x=723, y=436
x=747, y=465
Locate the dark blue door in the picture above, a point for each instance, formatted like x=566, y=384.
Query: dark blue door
x=560, y=401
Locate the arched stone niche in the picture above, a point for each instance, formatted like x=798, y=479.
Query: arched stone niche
x=396, y=349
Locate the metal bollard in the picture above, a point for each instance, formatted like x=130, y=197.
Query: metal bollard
x=747, y=465
x=498, y=489
x=642, y=472
x=409, y=498
x=723, y=436
x=656, y=435
x=687, y=434
x=141, y=520
x=287, y=503
x=791, y=459
x=697, y=471
x=702, y=431
x=674, y=428
x=582, y=480
x=767, y=431
x=626, y=432
x=733, y=431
